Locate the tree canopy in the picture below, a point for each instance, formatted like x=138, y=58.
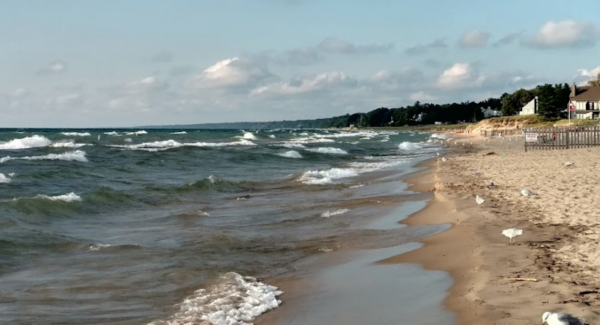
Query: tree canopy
x=596, y=82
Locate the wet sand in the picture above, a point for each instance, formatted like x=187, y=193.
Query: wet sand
x=557, y=250
x=481, y=260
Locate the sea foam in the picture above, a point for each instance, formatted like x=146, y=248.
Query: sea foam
x=338, y=212
x=328, y=150
x=34, y=141
x=76, y=134
x=4, y=179
x=409, y=146
x=322, y=177
x=76, y=155
x=291, y=154
x=234, y=300
x=67, y=144
x=170, y=144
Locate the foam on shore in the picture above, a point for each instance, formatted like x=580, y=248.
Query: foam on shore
x=234, y=300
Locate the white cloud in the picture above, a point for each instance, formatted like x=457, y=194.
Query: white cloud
x=457, y=76
x=320, y=82
x=336, y=45
x=421, y=96
x=566, y=33
x=436, y=44
x=232, y=73
x=585, y=75
x=55, y=67
x=474, y=39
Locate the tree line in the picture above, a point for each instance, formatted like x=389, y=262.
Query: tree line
x=553, y=101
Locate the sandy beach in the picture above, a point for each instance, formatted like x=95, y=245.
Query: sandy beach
x=559, y=247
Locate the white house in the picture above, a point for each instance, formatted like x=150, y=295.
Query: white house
x=585, y=102
x=489, y=112
x=530, y=108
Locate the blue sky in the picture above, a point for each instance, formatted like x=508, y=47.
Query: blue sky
x=124, y=63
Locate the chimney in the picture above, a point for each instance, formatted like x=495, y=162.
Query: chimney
x=573, y=91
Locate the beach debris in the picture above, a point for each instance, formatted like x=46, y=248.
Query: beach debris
x=522, y=279
x=560, y=319
x=489, y=184
x=511, y=233
x=479, y=199
x=569, y=164
x=527, y=193
x=444, y=159
x=478, y=174
x=489, y=153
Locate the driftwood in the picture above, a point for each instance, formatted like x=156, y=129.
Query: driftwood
x=522, y=279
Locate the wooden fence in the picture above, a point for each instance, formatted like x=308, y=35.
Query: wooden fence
x=495, y=133
x=558, y=138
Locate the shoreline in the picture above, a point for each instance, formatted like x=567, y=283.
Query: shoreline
x=479, y=258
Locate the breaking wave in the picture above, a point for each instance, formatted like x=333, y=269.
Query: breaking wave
x=34, y=141
x=76, y=134
x=171, y=144
x=234, y=300
x=290, y=154
x=328, y=150
x=409, y=146
x=323, y=177
x=67, y=144
x=5, y=179
x=141, y=132
x=77, y=155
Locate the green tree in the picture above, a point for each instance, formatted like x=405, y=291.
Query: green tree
x=595, y=83
x=547, y=105
x=562, y=95
x=523, y=97
x=510, y=105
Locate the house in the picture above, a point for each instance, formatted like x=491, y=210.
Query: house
x=585, y=102
x=530, y=108
x=489, y=112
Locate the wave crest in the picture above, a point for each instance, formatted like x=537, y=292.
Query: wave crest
x=34, y=141
x=233, y=300
x=76, y=155
x=328, y=150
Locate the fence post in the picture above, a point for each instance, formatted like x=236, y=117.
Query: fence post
x=567, y=136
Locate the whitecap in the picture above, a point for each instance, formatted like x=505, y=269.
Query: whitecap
x=170, y=144
x=338, y=212
x=141, y=132
x=328, y=150
x=234, y=300
x=322, y=177
x=113, y=133
x=272, y=136
x=77, y=155
x=440, y=136
x=290, y=154
x=76, y=134
x=34, y=141
x=5, y=179
x=69, y=197
x=292, y=145
x=409, y=146
x=249, y=136
x=180, y=132
x=67, y=144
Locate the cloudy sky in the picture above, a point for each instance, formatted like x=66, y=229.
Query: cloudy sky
x=94, y=63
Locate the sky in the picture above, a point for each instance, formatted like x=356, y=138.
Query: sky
x=115, y=63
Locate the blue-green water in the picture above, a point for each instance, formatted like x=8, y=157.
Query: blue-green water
x=119, y=226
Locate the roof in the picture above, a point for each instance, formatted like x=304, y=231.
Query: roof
x=587, y=93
